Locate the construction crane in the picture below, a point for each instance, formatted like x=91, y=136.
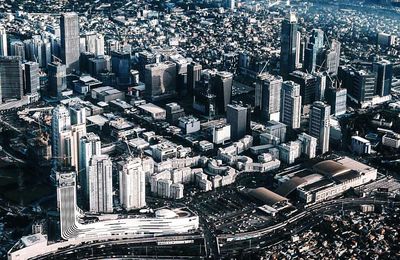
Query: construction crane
x=56, y=58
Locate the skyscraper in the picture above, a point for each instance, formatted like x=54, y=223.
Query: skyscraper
x=3, y=42
x=222, y=84
x=308, y=145
x=160, y=80
x=384, y=71
x=121, y=66
x=100, y=184
x=237, y=117
x=313, y=50
x=194, y=75
x=291, y=104
x=337, y=99
x=66, y=202
x=61, y=142
x=31, y=77
x=69, y=25
x=307, y=84
x=268, y=96
x=288, y=45
x=17, y=48
x=78, y=127
x=360, y=84
x=132, y=186
x=89, y=146
x=57, y=78
x=320, y=85
x=332, y=58
x=11, y=78
x=320, y=124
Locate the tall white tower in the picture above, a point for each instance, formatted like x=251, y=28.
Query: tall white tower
x=90, y=145
x=3, y=42
x=61, y=137
x=132, y=184
x=291, y=104
x=100, y=184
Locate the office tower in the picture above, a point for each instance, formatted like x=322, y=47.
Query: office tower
x=193, y=76
x=3, y=42
x=307, y=84
x=78, y=114
x=320, y=86
x=174, y=112
x=89, y=146
x=204, y=100
x=313, y=50
x=66, y=202
x=69, y=24
x=78, y=127
x=96, y=65
x=268, y=96
x=94, y=43
x=11, y=78
x=145, y=58
x=276, y=129
x=121, y=66
x=291, y=104
x=160, y=80
x=360, y=84
x=132, y=186
x=337, y=99
x=61, y=142
x=222, y=84
x=288, y=45
x=31, y=77
x=17, y=48
x=384, y=71
x=100, y=184
x=308, y=145
x=236, y=116
x=299, y=51
x=320, y=124
x=57, y=78
x=332, y=58
x=112, y=45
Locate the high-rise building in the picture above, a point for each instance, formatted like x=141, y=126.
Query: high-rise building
x=313, y=50
x=320, y=86
x=237, y=117
x=193, y=76
x=384, y=71
x=17, y=48
x=337, y=99
x=94, y=43
x=66, y=201
x=69, y=25
x=291, y=104
x=360, y=84
x=121, y=66
x=164, y=188
x=57, y=78
x=308, y=145
x=11, y=78
x=307, y=84
x=176, y=191
x=288, y=45
x=90, y=145
x=222, y=84
x=132, y=186
x=268, y=96
x=3, y=42
x=61, y=142
x=332, y=58
x=320, y=124
x=145, y=58
x=100, y=184
x=160, y=80
x=31, y=77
